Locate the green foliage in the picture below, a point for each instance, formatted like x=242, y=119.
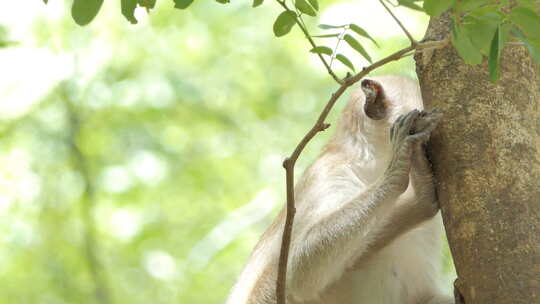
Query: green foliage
x=435, y=8
x=497, y=44
x=466, y=5
x=345, y=61
x=304, y=7
x=284, y=23
x=326, y=35
x=528, y=21
x=84, y=11
x=128, y=10
x=183, y=4
x=461, y=40
x=322, y=50
x=475, y=22
x=148, y=4
x=480, y=30
x=315, y=4
x=328, y=26
x=411, y=4
x=360, y=31
x=357, y=46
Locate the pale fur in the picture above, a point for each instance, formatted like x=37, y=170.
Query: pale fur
x=344, y=208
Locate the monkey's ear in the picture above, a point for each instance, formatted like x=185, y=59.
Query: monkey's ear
x=376, y=106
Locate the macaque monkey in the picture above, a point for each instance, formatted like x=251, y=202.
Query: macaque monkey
x=365, y=230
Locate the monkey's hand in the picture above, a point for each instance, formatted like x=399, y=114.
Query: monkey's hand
x=402, y=138
x=407, y=135
x=421, y=173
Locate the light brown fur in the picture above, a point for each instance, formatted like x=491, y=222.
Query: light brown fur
x=365, y=229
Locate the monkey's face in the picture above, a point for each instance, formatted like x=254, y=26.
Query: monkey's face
x=386, y=99
x=376, y=105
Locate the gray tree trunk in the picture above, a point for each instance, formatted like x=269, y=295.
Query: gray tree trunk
x=486, y=158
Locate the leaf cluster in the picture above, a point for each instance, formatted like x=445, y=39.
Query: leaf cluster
x=480, y=28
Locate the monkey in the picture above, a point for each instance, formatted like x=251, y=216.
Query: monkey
x=367, y=228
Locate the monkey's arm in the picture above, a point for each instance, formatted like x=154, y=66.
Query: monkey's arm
x=325, y=248
x=422, y=205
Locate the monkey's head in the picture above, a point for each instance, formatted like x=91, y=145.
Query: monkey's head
x=378, y=103
x=387, y=97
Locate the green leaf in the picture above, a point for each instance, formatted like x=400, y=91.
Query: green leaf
x=128, y=9
x=435, y=8
x=494, y=55
x=223, y=1
x=84, y=11
x=322, y=50
x=411, y=4
x=467, y=5
x=528, y=21
x=327, y=35
x=462, y=42
x=345, y=61
x=315, y=4
x=257, y=2
x=182, y=4
x=45, y=1
x=357, y=46
x=533, y=48
x=305, y=7
x=148, y=4
x=481, y=30
x=328, y=26
x=360, y=31
x=284, y=23
x=497, y=45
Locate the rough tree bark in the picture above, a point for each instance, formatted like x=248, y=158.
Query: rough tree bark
x=486, y=158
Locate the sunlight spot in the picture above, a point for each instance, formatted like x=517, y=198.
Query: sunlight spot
x=5, y=202
x=148, y=167
x=24, y=84
x=21, y=233
x=160, y=265
x=17, y=181
x=125, y=224
x=116, y=179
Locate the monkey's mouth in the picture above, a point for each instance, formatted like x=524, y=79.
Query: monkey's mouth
x=376, y=104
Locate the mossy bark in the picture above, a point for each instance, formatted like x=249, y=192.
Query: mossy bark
x=486, y=159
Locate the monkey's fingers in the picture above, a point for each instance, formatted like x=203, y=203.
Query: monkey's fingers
x=402, y=127
x=426, y=122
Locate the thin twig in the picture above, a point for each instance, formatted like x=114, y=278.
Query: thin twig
x=319, y=126
x=399, y=23
x=308, y=37
x=340, y=37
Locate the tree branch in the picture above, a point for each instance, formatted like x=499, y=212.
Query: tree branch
x=411, y=39
x=95, y=266
x=319, y=126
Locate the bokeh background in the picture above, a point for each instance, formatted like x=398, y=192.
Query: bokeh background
x=140, y=163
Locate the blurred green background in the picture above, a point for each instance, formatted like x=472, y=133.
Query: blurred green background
x=140, y=163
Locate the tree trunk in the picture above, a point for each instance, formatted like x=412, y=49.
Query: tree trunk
x=486, y=158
